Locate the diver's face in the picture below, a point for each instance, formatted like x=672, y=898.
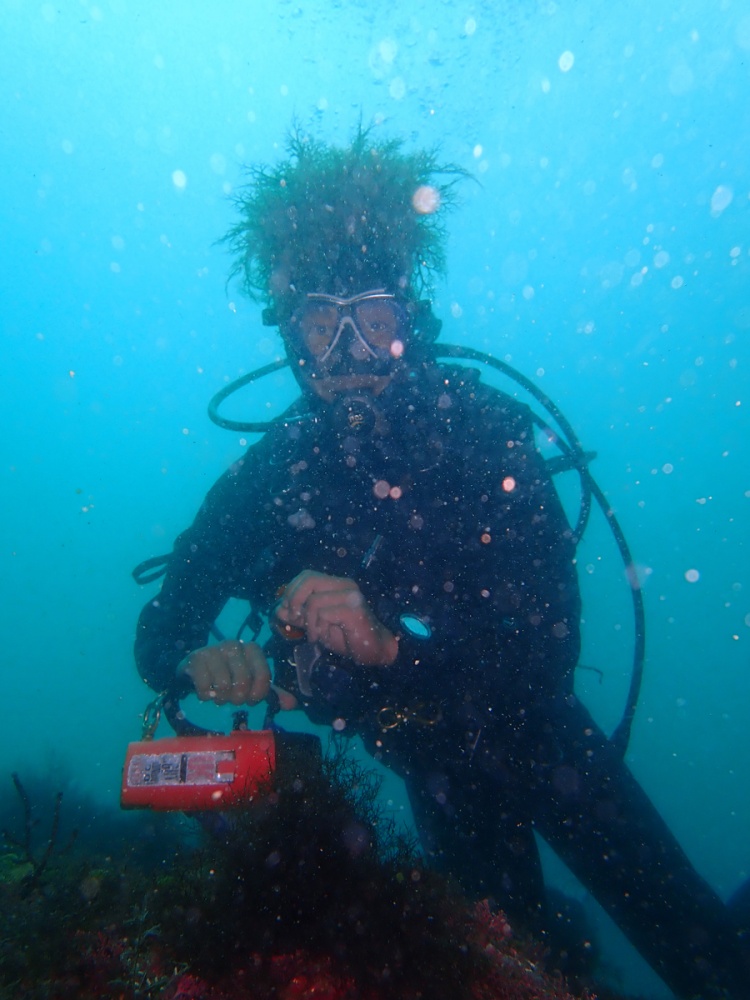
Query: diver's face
x=344, y=344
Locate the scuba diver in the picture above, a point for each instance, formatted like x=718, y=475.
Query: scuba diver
x=400, y=532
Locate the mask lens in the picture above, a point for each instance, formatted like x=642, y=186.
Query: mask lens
x=318, y=324
x=380, y=321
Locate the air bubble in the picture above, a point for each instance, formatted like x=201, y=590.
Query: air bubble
x=721, y=199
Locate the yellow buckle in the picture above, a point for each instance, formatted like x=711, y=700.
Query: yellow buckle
x=420, y=714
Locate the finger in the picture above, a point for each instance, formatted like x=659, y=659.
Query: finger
x=298, y=588
x=196, y=669
x=240, y=671
x=233, y=676
x=258, y=672
x=201, y=667
x=307, y=585
x=295, y=595
x=341, y=603
x=221, y=674
x=336, y=639
x=344, y=608
x=287, y=701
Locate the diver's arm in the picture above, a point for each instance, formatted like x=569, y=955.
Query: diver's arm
x=211, y=562
x=179, y=619
x=168, y=630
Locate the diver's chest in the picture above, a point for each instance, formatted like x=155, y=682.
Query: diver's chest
x=372, y=528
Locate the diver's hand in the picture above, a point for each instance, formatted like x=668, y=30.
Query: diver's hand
x=333, y=612
x=234, y=672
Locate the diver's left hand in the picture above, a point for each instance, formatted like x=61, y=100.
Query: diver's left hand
x=333, y=612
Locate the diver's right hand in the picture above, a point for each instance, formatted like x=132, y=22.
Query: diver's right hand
x=232, y=671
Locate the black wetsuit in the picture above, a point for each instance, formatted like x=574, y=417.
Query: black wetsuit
x=438, y=504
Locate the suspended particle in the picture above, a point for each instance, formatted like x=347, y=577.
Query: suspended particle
x=426, y=199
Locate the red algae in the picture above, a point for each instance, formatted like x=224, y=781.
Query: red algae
x=511, y=970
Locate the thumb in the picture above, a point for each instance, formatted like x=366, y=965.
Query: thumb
x=287, y=701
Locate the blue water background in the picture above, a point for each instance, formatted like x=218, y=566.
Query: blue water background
x=603, y=249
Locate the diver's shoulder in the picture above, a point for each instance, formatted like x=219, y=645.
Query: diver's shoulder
x=479, y=398
x=285, y=431
x=278, y=444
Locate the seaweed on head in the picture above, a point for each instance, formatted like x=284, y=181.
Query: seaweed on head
x=341, y=220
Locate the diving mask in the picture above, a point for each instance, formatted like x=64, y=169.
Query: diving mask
x=364, y=333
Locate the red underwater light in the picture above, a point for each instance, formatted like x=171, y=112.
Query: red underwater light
x=199, y=769
x=197, y=772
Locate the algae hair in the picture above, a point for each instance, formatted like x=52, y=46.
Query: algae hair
x=341, y=220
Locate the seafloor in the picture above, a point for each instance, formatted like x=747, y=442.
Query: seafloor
x=306, y=893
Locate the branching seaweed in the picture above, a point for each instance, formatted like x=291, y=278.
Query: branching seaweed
x=315, y=865
x=37, y=861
